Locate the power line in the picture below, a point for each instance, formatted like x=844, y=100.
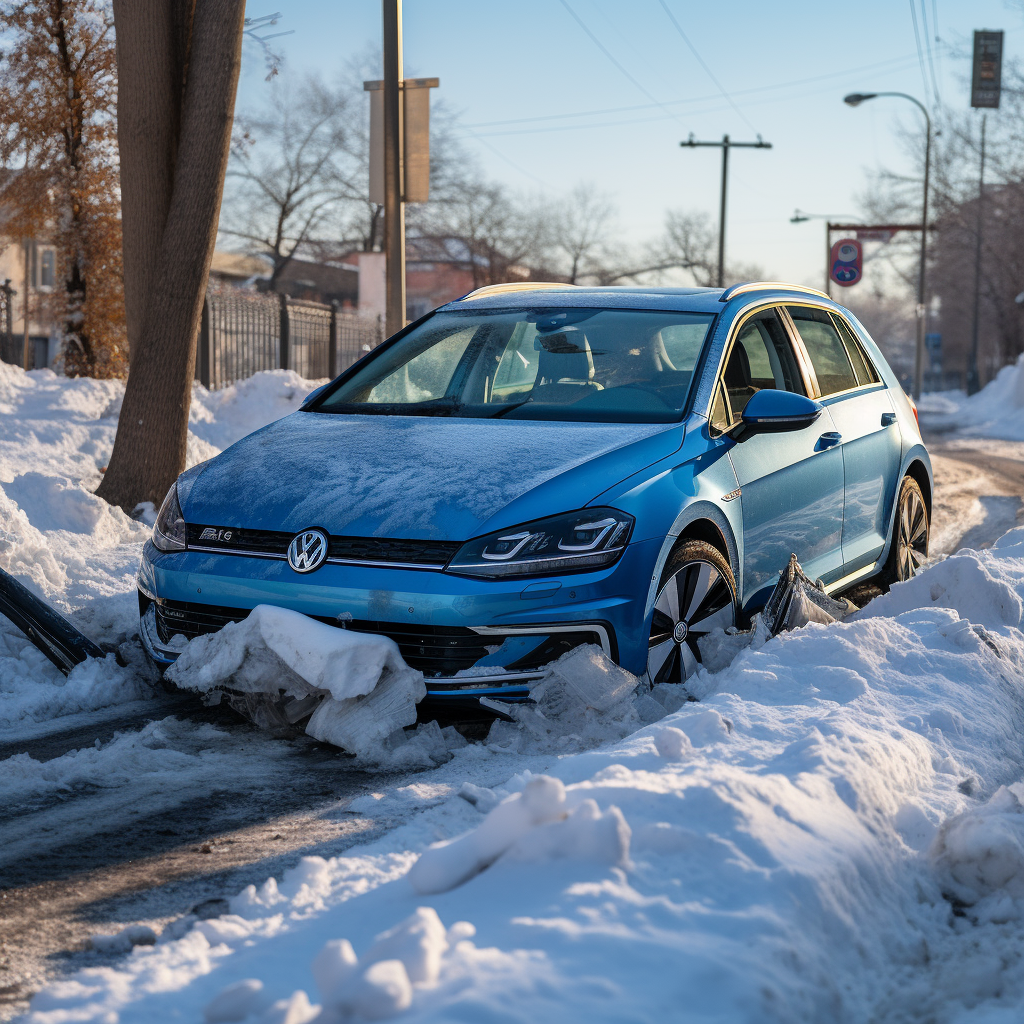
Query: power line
x=938, y=39
x=920, y=52
x=928, y=51
x=707, y=70
x=894, y=64
x=597, y=42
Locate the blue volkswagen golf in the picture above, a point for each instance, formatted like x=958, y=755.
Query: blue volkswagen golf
x=535, y=467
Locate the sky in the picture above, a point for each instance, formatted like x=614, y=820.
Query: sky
x=551, y=93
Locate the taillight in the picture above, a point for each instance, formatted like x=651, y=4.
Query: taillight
x=913, y=408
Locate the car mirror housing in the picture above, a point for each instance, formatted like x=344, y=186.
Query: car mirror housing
x=772, y=412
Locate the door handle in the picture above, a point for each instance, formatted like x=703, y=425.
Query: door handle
x=830, y=438
x=888, y=419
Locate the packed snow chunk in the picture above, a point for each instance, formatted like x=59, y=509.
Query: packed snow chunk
x=332, y=967
x=360, y=725
x=124, y=940
x=24, y=551
x=961, y=582
x=296, y=1009
x=381, y=991
x=703, y=728
x=420, y=941
x=369, y=691
x=982, y=850
x=55, y=503
x=584, y=700
x=276, y=649
x=235, y=1002
x=448, y=864
x=586, y=834
x=673, y=744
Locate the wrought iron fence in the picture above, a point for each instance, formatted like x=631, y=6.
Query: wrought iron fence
x=242, y=333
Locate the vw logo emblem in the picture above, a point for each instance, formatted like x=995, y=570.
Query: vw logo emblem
x=307, y=550
x=679, y=633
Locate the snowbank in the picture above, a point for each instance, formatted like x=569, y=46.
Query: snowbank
x=72, y=548
x=835, y=832
x=996, y=411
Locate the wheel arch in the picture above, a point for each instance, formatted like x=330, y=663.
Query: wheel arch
x=702, y=520
x=917, y=471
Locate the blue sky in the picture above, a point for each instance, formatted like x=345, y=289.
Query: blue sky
x=510, y=70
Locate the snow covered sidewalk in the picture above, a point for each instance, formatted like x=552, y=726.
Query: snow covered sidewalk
x=835, y=832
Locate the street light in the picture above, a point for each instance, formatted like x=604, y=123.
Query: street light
x=799, y=217
x=855, y=99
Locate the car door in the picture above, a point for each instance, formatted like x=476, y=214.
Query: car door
x=860, y=406
x=791, y=484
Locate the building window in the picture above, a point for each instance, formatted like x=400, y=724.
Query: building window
x=46, y=268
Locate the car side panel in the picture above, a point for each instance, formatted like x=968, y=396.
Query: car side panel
x=871, y=446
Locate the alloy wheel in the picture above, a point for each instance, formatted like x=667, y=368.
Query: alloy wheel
x=912, y=543
x=694, y=600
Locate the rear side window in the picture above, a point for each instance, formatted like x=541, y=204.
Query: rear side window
x=861, y=364
x=825, y=348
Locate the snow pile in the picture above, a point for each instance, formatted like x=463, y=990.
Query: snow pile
x=997, y=410
x=72, y=548
x=356, y=685
x=833, y=833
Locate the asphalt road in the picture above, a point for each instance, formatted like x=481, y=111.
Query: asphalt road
x=92, y=872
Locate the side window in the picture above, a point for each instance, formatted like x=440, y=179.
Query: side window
x=760, y=357
x=825, y=348
x=427, y=375
x=861, y=364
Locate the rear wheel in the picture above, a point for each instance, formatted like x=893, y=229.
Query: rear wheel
x=696, y=595
x=910, y=534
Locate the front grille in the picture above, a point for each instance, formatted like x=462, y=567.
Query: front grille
x=437, y=651
x=274, y=543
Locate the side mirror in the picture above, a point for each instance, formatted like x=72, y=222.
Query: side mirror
x=773, y=412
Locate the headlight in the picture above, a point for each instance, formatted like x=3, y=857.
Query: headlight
x=577, y=541
x=169, y=531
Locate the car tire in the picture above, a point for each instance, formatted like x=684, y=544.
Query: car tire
x=909, y=546
x=697, y=593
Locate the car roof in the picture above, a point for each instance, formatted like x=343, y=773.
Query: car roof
x=690, y=300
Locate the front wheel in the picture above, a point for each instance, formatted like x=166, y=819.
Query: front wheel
x=696, y=595
x=910, y=534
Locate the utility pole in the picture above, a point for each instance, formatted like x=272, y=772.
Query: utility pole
x=725, y=145
x=394, y=209
x=973, y=381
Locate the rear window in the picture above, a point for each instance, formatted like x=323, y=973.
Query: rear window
x=607, y=365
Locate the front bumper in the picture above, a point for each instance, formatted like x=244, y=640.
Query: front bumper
x=471, y=638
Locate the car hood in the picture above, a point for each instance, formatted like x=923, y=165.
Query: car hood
x=417, y=477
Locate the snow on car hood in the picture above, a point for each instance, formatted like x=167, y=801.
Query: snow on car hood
x=417, y=477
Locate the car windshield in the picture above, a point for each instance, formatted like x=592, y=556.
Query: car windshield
x=609, y=365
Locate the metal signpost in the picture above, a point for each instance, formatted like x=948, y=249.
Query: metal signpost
x=986, y=87
x=725, y=145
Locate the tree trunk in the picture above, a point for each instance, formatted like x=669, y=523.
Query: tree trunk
x=149, y=450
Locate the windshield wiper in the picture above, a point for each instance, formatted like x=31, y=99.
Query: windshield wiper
x=508, y=408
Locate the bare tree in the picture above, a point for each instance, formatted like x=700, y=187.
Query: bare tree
x=581, y=226
x=178, y=63
x=297, y=168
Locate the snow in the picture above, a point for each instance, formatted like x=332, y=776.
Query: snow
x=72, y=548
x=996, y=411
x=834, y=831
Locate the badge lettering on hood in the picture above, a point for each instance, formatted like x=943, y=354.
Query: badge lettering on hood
x=308, y=550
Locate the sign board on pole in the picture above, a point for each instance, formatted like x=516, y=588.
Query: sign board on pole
x=874, y=234
x=846, y=262
x=415, y=139
x=986, y=80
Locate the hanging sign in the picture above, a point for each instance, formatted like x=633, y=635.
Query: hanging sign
x=987, y=75
x=846, y=262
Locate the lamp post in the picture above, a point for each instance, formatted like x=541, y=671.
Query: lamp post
x=855, y=99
